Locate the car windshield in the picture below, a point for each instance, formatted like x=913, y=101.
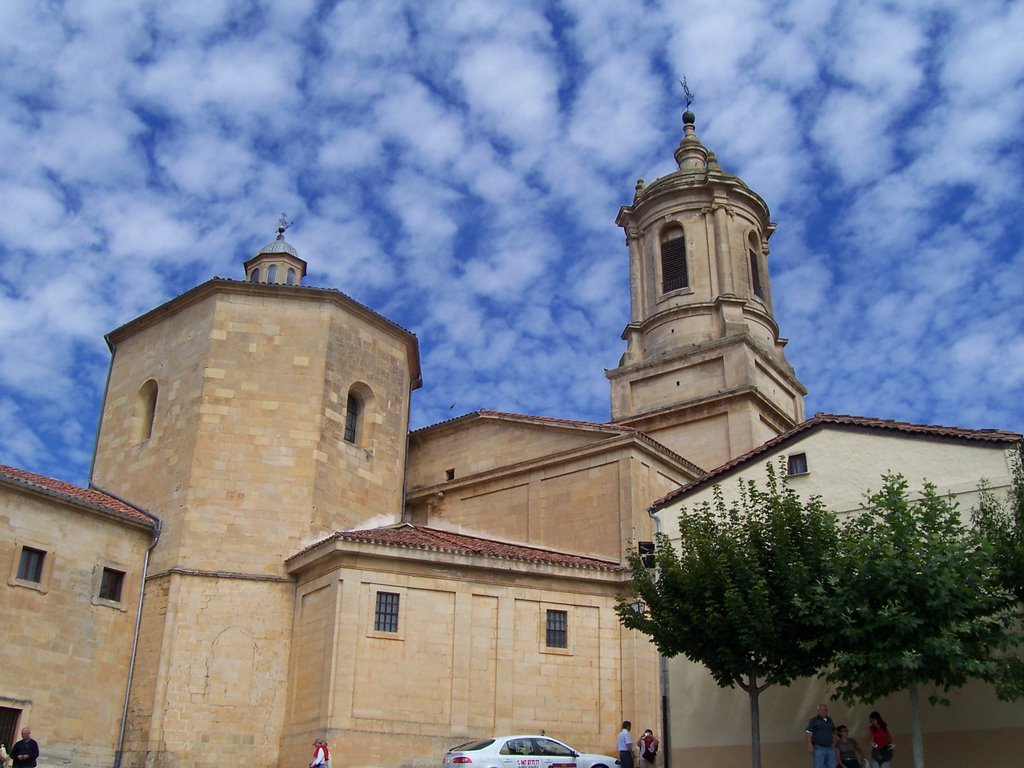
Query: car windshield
x=472, y=746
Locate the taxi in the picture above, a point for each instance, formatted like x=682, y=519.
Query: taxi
x=529, y=751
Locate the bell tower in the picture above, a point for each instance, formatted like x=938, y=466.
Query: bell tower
x=704, y=370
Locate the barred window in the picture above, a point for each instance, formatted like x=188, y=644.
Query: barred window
x=352, y=410
x=557, y=634
x=385, y=618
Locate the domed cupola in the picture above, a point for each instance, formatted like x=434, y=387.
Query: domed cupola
x=702, y=340
x=277, y=262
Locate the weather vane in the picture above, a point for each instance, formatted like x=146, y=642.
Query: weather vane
x=686, y=92
x=283, y=224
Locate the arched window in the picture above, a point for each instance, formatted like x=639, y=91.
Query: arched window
x=272, y=273
x=353, y=418
x=754, y=253
x=290, y=277
x=254, y=276
x=673, y=260
x=145, y=411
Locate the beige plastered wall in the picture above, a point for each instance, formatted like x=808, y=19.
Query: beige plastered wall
x=64, y=651
x=711, y=725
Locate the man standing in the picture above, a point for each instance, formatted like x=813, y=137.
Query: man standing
x=625, y=746
x=820, y=739
x=25, y=752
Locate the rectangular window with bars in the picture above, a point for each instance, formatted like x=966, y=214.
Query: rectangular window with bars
x=30, y=567
x=557, y=629
x=385, y=618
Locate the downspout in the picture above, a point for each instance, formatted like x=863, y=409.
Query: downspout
x=666, y=735
x=138, y=622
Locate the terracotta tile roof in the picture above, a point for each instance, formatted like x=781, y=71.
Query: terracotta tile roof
x=58, y=489
x=433, y=539
x=548, y=420
x=841, y=421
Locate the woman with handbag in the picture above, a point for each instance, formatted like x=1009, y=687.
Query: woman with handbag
x=881, y=741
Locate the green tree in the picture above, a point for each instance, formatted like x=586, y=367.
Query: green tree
x=1001, y=524
x=914, y=600
x=729, y=595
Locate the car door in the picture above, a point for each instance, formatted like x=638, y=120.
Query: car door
x=519, y=753
x=553, y=754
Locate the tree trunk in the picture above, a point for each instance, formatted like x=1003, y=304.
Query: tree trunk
x=915, y=727
x=755, y=722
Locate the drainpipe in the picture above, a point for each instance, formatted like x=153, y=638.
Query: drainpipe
x=138, y=621
x=666, y=735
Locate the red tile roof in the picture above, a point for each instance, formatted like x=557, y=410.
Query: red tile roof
x=95, y=500
x=860, y=423
x=433, y=539
x=547, y=420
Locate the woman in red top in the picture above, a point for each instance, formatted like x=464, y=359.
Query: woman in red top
x=881, y=741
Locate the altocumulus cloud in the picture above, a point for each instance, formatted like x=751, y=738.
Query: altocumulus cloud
x=458, y=167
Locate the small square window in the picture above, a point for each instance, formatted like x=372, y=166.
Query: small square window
x=449, y=474
x=111, y=585
x=30, y=567
x=557, y=630
x=796, y=464
x=385, y=617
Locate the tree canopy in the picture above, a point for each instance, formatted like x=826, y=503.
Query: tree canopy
x=914, y=599
x=729, y=594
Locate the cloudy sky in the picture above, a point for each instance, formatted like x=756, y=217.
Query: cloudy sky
x=458, y=166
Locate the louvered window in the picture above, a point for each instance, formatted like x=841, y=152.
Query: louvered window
x=673, y=265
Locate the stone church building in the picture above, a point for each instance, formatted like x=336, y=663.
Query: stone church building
x=266, y=554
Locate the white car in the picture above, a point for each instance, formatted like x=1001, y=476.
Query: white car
x=529, y=751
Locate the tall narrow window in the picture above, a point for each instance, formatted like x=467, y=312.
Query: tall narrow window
x=30, y=566
x=673, y=261
x=385, y=618
x=254, y=276
x=272, y=273
x=353, y=409
x=146, y=410
x=290, y=276
x=556, y=633
x=755, y=275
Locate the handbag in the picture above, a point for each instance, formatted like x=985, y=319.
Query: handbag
x=883, y=755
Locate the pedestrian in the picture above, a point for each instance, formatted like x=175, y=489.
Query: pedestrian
x=625, y=745
x=4, y=757
x=821, y=739
x=319, y=754
x=848, y=752
x=24, y=753
x=881, y=741
x=648, y=747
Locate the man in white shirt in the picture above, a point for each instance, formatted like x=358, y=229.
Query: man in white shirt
x=625, y=745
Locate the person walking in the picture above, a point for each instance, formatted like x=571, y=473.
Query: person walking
x=24, y=753
x=625, y=745
x=821, y=739
x=647, y=746
x=881, y=741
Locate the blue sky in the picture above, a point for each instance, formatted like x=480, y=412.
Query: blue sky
x=458, y=166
